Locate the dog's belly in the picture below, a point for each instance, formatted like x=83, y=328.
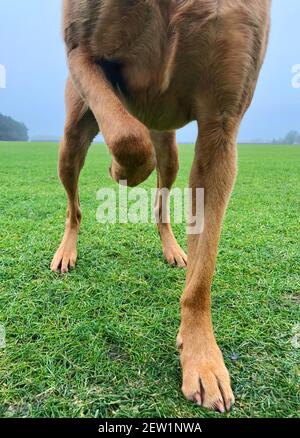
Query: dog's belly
x=155, y=61
x=142, y=94
x=156, y=73
x=161, y=113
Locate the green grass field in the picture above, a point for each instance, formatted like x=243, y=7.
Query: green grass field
x=100, y=342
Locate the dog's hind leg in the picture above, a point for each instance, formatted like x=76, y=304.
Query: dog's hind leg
x=167, y=169
x=80, y=129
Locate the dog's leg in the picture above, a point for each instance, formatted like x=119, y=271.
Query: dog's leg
x=80, y=129
x=128, y=139
x=205, y=377
x=167, y=168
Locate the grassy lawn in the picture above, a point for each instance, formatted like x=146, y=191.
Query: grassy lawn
x=100, y=342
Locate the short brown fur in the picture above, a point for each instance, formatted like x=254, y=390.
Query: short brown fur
x=174, y=61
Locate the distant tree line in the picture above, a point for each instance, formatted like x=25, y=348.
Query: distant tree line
x=11, y=130
x=293, y=137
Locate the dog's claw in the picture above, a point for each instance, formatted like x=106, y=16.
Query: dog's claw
x=219, y=406
x=198, y=399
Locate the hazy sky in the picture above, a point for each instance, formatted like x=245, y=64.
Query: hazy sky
x=32, y=52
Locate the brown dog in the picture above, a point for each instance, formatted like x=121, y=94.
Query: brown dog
x=139, y=70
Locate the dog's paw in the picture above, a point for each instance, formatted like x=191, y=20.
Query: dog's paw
x=64, y=259
x=206, y=380
x=175, y=256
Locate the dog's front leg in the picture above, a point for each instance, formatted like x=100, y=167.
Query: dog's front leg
x=205, y=377
x=128, y=140
x=80, y=129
